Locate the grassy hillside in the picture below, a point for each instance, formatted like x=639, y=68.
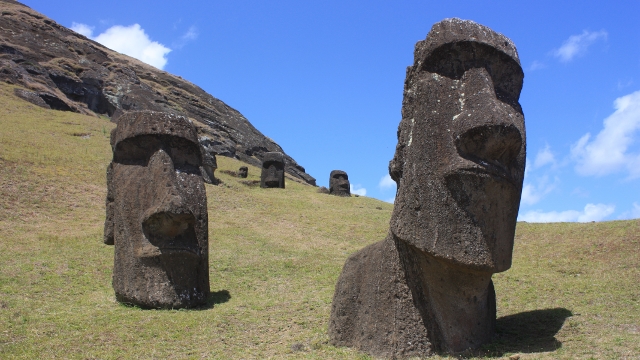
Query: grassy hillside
x=275, y=255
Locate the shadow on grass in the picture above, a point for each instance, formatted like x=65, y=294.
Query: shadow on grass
x=218, y=297
x=215, y=298
x=527, y=332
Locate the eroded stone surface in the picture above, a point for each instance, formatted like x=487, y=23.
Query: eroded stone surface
x=459, y=165
x=272, y=175
x=209, y=162
x=339, y=183
x=157, y=212
x=243, y=172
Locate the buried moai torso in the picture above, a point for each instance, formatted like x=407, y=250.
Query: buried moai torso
x=157, y=218
x=339, y=183
x=243, y=172
x=459, y=166
x=272, y=170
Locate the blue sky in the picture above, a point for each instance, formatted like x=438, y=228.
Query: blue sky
x=324, y=79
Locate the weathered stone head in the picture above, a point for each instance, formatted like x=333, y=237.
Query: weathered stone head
x=272, y=170
x=209, y=162
x=459, y=166
x=460, y=158
x=339, y=183
x=158, y=213
x=243, y=172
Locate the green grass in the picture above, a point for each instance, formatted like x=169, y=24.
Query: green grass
x=275, y=255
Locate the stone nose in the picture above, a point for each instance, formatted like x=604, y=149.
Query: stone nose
x=167, y=190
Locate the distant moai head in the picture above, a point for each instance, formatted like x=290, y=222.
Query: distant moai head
x=243, y=172
x=209, y=162
x=339, y=183
x=459, y=163
x=272, y=170
x=159, y=212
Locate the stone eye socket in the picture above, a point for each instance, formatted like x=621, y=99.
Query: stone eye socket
x=138, y=150
x=340, y=177
x=275, y=164
x=498, y=145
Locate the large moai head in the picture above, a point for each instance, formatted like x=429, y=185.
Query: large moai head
x=159, y=212
x=339, y=183
x=272, y=170
x=243, y=172
x=459, y=163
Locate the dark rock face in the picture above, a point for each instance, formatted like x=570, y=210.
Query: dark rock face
x=459, y=166
x=157, y=212
x=272, y=175
x=243, y=172
x=339, y=183
x=69, y=72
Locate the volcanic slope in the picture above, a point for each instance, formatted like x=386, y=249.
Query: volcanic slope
x=60, y=69
x=275, y=255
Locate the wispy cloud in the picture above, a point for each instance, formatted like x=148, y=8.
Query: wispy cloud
x=591, y=212
x=537, y=65
x=609, y=151
x=187, y=37
x=634, y=213
x=532, y=194
x=577, y=45
x=358, y=189
x=130, y=40
x=544, y=157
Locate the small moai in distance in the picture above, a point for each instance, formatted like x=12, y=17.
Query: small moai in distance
x=272, y=175
x=243, y=172
x=459, y=166
x=339, y=183
x=157, y=212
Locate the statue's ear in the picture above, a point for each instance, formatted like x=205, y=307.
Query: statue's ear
x=108, y=221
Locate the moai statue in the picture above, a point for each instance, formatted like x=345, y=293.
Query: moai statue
x=243, y=172
x=459, y=166
x=157, y=212
x=339, y=183
x=272, y=170
x=209, y=163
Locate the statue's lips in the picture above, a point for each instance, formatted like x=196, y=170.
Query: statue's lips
x=495, y=172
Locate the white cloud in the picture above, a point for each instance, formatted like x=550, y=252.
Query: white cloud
x=544, y=157
x=386, y=182
x=358, y=190
x=82, y=29
x=607, y=152
x=591, y=212
x=130, y=40
x=531, y=194
x=536, y=65
x=576, y=45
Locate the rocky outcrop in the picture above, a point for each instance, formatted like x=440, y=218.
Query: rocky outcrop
x=63, y=70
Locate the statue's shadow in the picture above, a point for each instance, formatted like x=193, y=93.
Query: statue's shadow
x=215, y=297
x=527, y=332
